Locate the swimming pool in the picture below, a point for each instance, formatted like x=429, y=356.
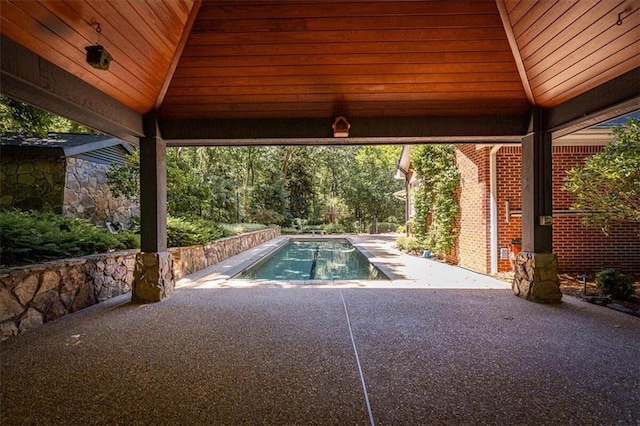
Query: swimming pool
x=301, y=260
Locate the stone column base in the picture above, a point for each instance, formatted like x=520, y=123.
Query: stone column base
x=536, y=277
x=152, y=277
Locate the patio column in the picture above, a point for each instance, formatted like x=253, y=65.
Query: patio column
x=153, y=278
x=536, y=267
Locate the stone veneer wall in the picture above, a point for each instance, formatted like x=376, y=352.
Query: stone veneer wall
x=32, y=183
x=87, y=195
x=34, y=294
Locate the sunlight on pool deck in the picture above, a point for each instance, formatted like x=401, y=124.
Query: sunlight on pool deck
x=403, y=270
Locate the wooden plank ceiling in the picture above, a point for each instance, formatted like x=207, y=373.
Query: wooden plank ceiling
x=320, y=59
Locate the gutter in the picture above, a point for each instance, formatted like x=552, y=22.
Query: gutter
x=493, y=207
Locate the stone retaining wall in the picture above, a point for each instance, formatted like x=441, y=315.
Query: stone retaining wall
x=34, y=294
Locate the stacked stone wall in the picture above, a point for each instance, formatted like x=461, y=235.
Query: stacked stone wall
x=32, y=183
x=87, y=195
x=187, y=260
x=34, y=294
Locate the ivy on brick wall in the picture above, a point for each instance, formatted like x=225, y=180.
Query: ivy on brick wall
x=435, y=200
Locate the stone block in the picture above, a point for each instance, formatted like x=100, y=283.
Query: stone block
x=536, y=277
x=153, y=277
x=10, y=307
x=26, y=289
x=49, y=281
x=26, y=179
x=31, y=319
x=84, y=298
x=7, y=330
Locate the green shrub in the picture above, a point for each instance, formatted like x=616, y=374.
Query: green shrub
x=410, y=244
x=239, y=228
x=384, y=227
x=31, y=237
x=182, y=232
x=267, y=217
x=612, y=283
x=333, y=228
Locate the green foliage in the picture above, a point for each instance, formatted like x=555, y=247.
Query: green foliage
x=124, y=179
x=435, y=200
x=384, y=227
x=267, y=217
x=612, y=283
x=18, y=117
x=30, y=237
x=334, y=228
x=182, y=232
x=607, y=186
x=275, y=185
x=410, y=244
x=239, y=228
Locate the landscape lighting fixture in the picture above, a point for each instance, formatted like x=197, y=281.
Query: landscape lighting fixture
x=341, y=127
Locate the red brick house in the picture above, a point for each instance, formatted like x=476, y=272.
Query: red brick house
x=490, y=218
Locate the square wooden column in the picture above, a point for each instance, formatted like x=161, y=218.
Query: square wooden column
x=536, y=268
x=153, y=276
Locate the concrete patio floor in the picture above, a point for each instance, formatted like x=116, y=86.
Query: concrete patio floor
x=435, y=345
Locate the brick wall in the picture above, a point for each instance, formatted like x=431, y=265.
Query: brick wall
x=579, y=249
x=509, y=178
x=472, y=247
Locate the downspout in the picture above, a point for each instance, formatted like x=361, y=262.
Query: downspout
x=493, y=206
x=407, y=203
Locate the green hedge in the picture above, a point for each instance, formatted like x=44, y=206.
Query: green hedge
x=32, y=237
x=182, y=232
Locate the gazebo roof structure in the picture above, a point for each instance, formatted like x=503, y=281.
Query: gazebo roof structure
x=278, y=72
x=257, y=72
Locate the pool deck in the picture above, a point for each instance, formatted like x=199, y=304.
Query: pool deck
x=434, y=345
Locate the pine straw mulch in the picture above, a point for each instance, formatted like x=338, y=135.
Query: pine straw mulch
x=573, y=285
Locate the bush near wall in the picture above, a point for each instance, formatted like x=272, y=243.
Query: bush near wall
x=34, y=294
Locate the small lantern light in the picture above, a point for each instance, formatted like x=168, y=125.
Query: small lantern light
x=341, y=127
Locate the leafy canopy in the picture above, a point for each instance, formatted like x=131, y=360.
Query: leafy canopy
x=607, y=186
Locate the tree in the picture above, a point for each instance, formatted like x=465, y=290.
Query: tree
x=371, y=183
x=607, y=186
x=18, y=117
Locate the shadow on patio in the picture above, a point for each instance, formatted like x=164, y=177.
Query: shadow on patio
x=419, y=353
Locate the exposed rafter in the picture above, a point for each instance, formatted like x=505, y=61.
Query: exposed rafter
x=517, y=57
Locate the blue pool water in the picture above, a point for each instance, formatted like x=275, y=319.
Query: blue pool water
x=314, y=260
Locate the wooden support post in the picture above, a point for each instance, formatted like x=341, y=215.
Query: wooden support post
x=153, y=276
x=536, y=267
x=537, y=187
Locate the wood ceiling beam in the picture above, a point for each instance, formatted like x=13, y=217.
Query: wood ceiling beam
x=506, y=22
x=178, y=53
x=32, y=79
x=609, y=100
x=305, y=131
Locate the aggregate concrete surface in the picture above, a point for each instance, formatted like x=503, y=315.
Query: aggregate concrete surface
x=434, y=345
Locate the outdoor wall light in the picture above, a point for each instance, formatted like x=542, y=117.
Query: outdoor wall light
x=341, y=127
